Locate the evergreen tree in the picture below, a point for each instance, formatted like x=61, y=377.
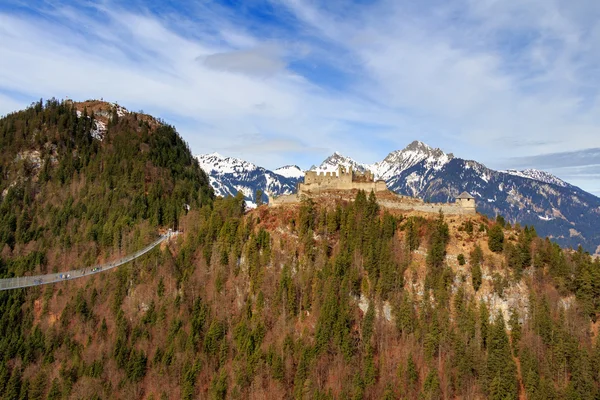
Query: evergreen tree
x=501, y=369
x=55, y=392
x=258, y=197
x=13, y=387
x=476, y=276
x=484, y=317
x=412, y=234
x=496, y=238
x=437, y=243
x=515, y=329
x=431, y=386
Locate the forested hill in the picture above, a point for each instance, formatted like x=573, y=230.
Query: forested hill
x=87, y=178
x=322, y=300
x=333, y=298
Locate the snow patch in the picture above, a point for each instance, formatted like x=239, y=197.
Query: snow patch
x=121, y=111
x=290, y=171
x=99, y=130
x=223, y=165
x=331, y=164
x=537, y=175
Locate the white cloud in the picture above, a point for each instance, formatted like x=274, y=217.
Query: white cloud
x=477, y=78
x=479, y=71
x=263, y=61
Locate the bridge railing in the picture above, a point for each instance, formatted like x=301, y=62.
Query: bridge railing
x=36, y=280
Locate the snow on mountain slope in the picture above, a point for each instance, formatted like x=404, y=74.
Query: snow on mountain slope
x=215, y=162
x=530, y=197
x=230, y=175
x=538, y=175
x=401, y=160
x=331, y=163
x=290, y=171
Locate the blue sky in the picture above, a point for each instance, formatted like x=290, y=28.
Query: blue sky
x=510, y=83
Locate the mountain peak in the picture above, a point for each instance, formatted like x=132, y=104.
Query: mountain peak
x=418, y=146
x=337, y=156
x=331, y=163
x=538, y=175
x=215, y=155
x=414, y=153
x=217, y=162
x=290, y=171
x=423, y=148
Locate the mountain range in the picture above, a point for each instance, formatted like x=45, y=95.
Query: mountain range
x=563, y=212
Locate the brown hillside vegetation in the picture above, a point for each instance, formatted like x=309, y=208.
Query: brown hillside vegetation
x=326, y=299
x=294, y=303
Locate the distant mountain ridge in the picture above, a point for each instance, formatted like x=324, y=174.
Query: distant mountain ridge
x=230, y=175
x=557, y=209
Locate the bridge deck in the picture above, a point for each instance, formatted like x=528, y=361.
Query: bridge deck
x=36, y=280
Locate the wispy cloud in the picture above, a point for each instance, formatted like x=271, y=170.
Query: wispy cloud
x=583, y=158
x=263, y=61
x=500, y=82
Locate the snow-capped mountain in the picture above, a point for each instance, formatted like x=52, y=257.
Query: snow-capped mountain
x=229, y=175
x=290, y=171
x=331, y=163
x=538, y=175
x=401, y=160
x=557, y=209
x=392, y=168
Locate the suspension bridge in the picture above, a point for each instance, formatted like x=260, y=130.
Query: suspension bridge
x=36, y=280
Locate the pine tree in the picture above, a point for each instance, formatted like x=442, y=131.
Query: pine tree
x=437, y=243
x=38, y=387
x=476, y=256
x=501, y=369
x=258, y=197
x=582, y=376
x=515, y=329
x=496, y=238
x=412, y=374
x=412, y=234
x=484, y=317
x=476, y=276
x=55, y=392
x=405, y=315
x=13, y=387
x=368, y=323
x=431, y=386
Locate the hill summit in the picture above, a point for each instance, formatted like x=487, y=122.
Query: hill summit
x=554, y=207
x=329, y=298
x=91, y=173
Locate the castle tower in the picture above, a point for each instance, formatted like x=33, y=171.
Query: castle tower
x=465, y=200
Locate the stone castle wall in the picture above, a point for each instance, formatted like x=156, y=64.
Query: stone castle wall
x=446, y=208
x=347, y=180
x=466, y=203
x=399, y=203
x=318, y=187
x=344, y=180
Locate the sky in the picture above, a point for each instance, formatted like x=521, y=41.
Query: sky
x=509, y=83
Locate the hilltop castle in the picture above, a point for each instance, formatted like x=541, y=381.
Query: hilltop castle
x=344, y=180
x=316, y=184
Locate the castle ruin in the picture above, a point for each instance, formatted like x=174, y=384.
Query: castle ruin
x=466, y=201
x=344, y=180
x=323, y=183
